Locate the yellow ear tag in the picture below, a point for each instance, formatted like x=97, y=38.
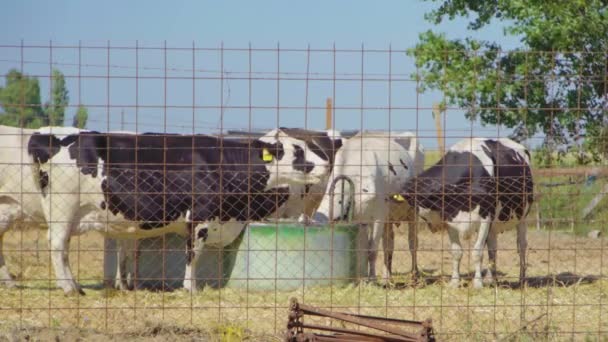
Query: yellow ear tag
x=266, y=156
x=398, y=198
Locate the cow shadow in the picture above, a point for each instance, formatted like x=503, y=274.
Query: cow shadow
x=425, y=277
x=564, y=279
x=430, y=277
x=37, y=285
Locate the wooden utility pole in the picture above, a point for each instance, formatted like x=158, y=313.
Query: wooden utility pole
x=437, y=111
x=328, y=114
x=122, y=119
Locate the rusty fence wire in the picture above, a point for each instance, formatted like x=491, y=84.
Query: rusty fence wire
x=249, y=269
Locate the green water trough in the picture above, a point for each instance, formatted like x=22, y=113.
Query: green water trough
x=266, y=256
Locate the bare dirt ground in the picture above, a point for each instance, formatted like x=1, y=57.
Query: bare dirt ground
x=566, y=298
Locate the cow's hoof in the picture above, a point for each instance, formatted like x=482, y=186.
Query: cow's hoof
x=6, y=279
x=523, y=282
x=387, y=283
x=8, y=283
x=489, y=280
x=415, y=275
x=123, y=286
x=70, y=288
x=305, y=220
x=454, y=283
x=189, y=286
x=188, y=290
x=416, y=278
x=477, y=283
x=371, y=281
x=74, y=292
x=124, y=283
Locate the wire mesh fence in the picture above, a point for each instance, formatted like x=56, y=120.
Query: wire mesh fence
x=365, y=204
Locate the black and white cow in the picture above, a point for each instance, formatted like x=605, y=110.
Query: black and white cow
x=304, y=199
x=479, y=184
x=137, y=186
x=19, y=195
x=301, y=198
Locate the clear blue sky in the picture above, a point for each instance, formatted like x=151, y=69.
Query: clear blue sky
x=236, y=24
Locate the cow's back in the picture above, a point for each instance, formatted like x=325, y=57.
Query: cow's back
x=381, y=154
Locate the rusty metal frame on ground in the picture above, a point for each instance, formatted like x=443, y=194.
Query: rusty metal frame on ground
x=387, y=329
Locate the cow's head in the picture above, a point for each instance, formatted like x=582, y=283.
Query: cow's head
x=278, y=159
x=305, y=157
x=402, y=202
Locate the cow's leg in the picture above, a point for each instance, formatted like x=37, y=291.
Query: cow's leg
x=374, y=246
x=492, y=243
x=196, y=241
x=5, y=277
x=124, y=261
x=59, y=243
x=130, y=260
x=371, y=269
x=6, y=221
x=456, y=249
x=522, y=245
x=388, y=244
x=412, y=239
x=120, y=282
x=482, y=236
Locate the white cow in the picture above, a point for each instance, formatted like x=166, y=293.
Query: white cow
x=19, y=194
x=376, y=163
x=19, y=197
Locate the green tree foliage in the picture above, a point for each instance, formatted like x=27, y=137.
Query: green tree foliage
x=55, y=108
x=555, y=84
x=81, y=117
x=20, y=100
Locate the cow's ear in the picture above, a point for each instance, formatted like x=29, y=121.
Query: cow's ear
x=101, y=140
x=43, y=147
x=337, y=144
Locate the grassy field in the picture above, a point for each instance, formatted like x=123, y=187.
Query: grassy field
x=566, y=297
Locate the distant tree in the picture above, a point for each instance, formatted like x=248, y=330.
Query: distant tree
x=81, y=117
x=55, y=108
x=555, y=84
x=20, y=100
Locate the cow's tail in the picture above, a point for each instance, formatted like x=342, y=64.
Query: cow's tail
x=36, y=157
x=41, y=177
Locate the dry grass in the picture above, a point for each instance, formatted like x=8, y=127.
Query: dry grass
x=566, y=298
